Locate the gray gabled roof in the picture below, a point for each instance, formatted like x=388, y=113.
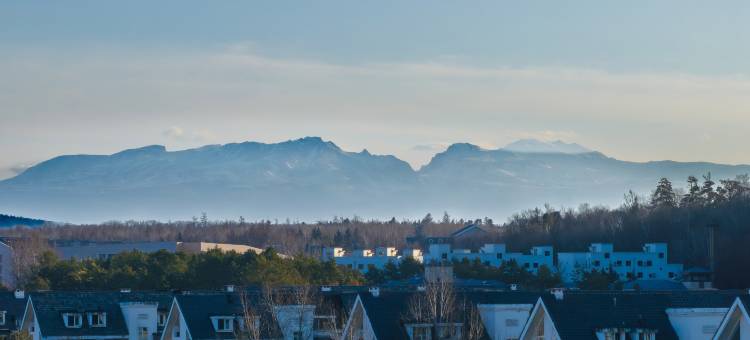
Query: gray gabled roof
x=198, y=308
x=580, y=315
x=50, y=306
x=390, y=309
x=13, y=309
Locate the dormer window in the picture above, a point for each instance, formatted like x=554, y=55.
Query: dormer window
x=72, y=320
x=162, y=319
x=97, y=319
x=223, y=323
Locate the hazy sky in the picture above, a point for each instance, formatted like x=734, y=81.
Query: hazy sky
x=637, y=80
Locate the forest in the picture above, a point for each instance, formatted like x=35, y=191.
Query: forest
x=683, y=218
x=163, y=270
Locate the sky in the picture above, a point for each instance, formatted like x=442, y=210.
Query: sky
x=636, y=80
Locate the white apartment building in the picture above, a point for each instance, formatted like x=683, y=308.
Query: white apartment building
x=650, y=263
x=493, y=255
x=363, y=259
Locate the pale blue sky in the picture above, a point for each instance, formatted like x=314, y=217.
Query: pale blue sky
x=392, y=76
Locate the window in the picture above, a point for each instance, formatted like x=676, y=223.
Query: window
x=661, y=255
x=628, y=263
x=162, y=318
x=640, y=275
x=547, y=253
x=97, y=319
x=536, y=265
x=143, y=333
x=640, y=263
x=671, y=275
x=511, y=322
x=651, y=276
x=420, y=333
x=597, y=263
x=618, y=263
x=360, y=266
x=176, y=332
x=526, y=265
x=2, y=317
x=72, y=320
x=224, y=325
x=606, y=255
x=499, y=255
x=444, y=256
x=649, y=263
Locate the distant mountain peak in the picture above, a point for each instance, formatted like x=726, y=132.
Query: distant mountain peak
x=149, y=149
x=463, y=147
x=531, y=145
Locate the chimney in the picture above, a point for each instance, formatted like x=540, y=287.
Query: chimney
x=229, y=288
x=375, y=291
x=559, y=293
x=19, y=294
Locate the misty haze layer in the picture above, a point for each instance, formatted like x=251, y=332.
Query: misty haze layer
x=310, y=179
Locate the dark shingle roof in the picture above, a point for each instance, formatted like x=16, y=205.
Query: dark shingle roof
x=14, y=309
x=49, y=307
x=654, y=285
x=580, y=315
x=387, y=311
x=197, y=309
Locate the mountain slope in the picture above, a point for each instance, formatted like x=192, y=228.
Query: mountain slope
x=313, y=179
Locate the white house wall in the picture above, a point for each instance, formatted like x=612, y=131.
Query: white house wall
x=696, y=323
x=504, y=321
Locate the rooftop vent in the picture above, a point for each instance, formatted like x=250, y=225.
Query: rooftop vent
x=19, y=294
x=559, y=293
x=375, y=291
x=229, y=288
x=325, y=289
x=514, y=287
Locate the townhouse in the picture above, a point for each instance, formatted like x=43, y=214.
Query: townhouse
x=691, y=315
x=558, y=314
x=254, y=314
x=736, y=322
x=12, y=306
x=96, y=315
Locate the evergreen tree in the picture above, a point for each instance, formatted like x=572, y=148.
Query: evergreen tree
x=664, y=195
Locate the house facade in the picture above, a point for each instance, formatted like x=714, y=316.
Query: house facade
x=95, y=315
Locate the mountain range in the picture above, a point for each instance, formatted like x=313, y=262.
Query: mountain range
x=310, y=179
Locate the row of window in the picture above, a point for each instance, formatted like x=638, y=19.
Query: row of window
x=628, y=263
x=75, y=320
x=95, y=319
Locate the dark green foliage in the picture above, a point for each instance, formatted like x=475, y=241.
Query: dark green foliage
x=598, y=280
x=408, y=268
x=509, y=272
x=165, y=270
x=664, y=196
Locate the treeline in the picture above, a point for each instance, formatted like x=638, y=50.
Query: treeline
x=683, y=219
x=285, y=236
x=10, y=221
x=163, y=270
